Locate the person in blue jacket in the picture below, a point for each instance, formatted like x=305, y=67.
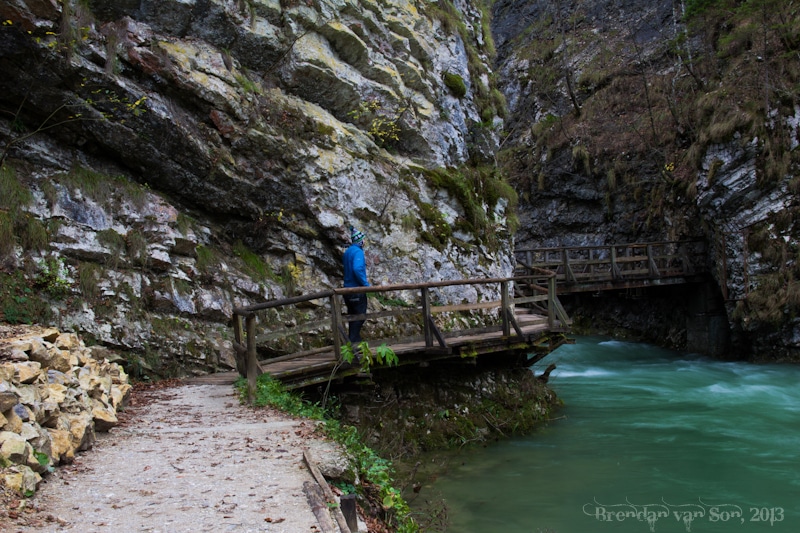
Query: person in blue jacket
x=355, y=275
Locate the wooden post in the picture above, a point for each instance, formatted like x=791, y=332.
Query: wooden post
x=239, y=350
x=551, y=301
x=569, y=277
x=615, y=274
x=336, y=321
x=348, y=505
x=505, y=308
x=426, y=317
x=252, y=362
x=651, y=263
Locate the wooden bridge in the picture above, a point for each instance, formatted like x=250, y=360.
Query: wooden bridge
x=617, y=266
x=299, y=340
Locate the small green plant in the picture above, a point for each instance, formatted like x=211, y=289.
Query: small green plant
x=383, y=355
x=52, y=277
x=253, y=264
x=389, y=302
x=33, y=233
x=92, y=184
x=184, y=223
x=382, y=125
x=456, y=84
x=13, y=195
x=248, y=85
x=19, y=303
x=7, y=238
x=42, y=458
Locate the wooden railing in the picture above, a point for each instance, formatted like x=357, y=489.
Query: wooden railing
x=616, y=262
x=246, y=326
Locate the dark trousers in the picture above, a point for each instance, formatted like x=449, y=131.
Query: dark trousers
x=356, y=305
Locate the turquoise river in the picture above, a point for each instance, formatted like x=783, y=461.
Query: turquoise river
x=648, y=440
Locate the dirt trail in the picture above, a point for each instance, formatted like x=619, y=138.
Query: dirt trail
x=186, y=458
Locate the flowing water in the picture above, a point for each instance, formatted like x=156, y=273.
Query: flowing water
x=648, y=440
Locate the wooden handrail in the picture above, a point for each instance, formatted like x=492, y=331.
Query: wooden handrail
x=250, y=309
x=600, y=246
x=246, y=338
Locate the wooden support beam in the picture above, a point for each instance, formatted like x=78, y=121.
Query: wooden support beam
x=252, y=361
x=239, y=350
x=316, y=499
x=326, y=490
x=427, y=320
x=336, y=325
x=505, y=308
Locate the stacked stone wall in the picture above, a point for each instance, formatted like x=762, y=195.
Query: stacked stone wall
x=55, y=393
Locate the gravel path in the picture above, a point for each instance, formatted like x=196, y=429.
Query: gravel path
x=186, y=458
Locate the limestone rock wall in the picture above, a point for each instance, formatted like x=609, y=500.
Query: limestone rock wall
x=644, y=121
x=205, y=154
x=55, y=393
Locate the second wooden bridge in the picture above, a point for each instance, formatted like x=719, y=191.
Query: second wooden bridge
x=299, y=340
x=617, y=266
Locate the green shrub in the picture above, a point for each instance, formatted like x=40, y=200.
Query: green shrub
x=206, y=258
x=52, y=277
x=456, y=84
x=136, y=245
x=92, y=184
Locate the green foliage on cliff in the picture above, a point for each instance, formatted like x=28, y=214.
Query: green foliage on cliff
x=660, y=114
x=20, y=302
x=456, y=84
x=478, y=190
x=490, y=102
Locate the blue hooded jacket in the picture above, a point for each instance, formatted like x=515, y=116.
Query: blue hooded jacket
x=355, y=268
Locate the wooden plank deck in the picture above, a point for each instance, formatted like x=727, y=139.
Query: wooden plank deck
x=319, y=367
x=507, y=327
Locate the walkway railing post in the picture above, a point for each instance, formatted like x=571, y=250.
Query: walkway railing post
x=238, y=345
x=652, y=268
x=505, y=310
x=426, y=317
x=252, y=362
x=551, y=301
x=615, y=274
x=336, y=322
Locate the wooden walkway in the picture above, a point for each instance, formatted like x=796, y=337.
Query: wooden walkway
x=274, y=337
x=617, y=266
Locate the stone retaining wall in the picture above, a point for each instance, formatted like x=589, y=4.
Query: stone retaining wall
x=55, y=392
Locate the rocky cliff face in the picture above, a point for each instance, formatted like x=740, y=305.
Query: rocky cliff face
x=165, y=161
x=634, y=121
